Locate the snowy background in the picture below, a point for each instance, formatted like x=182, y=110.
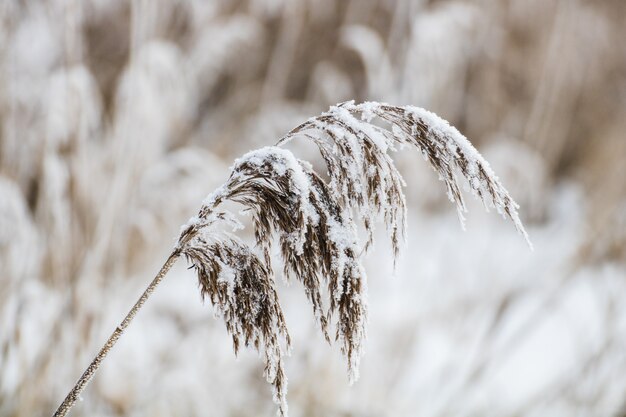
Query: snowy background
x=118, y=117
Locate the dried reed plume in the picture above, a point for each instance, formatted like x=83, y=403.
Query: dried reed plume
x=315, y=225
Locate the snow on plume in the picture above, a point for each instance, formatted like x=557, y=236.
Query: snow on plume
x=315, y=222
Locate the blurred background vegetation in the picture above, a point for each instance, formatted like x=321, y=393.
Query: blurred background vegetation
x=117, y=117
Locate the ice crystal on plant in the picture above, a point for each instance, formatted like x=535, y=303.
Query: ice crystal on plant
x=315, y=222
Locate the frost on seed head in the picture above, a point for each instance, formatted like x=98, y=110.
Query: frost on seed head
x=314, y=223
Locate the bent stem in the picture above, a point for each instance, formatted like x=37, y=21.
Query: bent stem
x=82, y=382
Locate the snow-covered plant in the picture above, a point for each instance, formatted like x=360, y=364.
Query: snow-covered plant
x=315, y=223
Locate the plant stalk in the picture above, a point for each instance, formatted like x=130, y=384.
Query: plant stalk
x=82, y=382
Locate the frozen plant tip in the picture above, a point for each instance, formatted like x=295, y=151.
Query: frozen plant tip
x=314, y=223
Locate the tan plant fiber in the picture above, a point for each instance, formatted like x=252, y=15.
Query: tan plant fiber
x=315, y=225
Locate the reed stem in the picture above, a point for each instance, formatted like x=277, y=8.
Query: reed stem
x=82, y=382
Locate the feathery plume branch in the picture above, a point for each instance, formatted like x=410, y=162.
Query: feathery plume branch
x=314, y=224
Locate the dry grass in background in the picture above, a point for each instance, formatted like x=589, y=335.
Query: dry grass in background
x=117, y=117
